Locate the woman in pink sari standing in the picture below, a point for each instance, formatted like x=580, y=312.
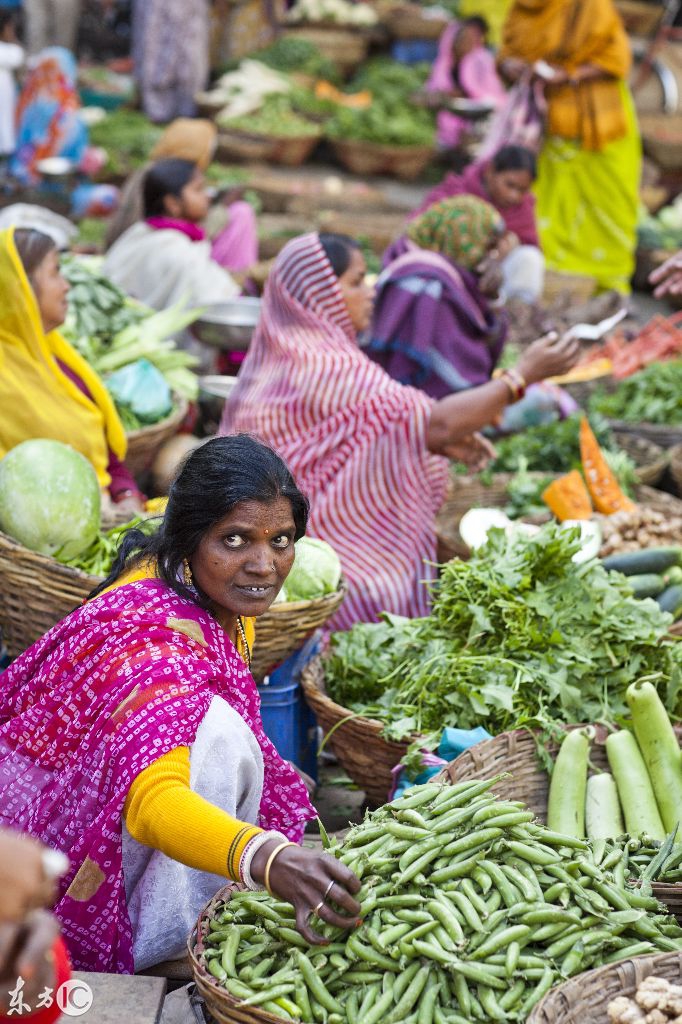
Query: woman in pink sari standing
x=130, y=734
x=464, y=67
x=371, y=453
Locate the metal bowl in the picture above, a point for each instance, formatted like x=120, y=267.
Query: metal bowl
x=228, y=325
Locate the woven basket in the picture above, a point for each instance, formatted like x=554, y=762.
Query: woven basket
x=285, y=627
x=465, y=493
x=639, y=19
x=36, y=592
x=580, y=287
x=515, y=752
x=405, y=162
x=288, y=151
x=649, y=458
x=675, y=456
x=663, y=435
x=585, y=998
x=357, y=743
x=143, y=444
x=223, y=1008
x=347, y=48
x=409, y=22
x=662, y=139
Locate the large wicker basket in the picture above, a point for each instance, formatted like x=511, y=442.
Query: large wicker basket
x=285, y=627
x=143, y=444
x=357, y=742
x=346, y=47
x=515, y=752
x=405, y=162
x=585, y=998
x=675, y=455
x=409, y=21
x=38, y=591
x=662, y=139
x=286, y=150
x=222, y=1007
x=665, y=436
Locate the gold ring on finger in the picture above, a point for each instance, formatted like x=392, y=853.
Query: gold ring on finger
x=318, y=908
x=328, y=889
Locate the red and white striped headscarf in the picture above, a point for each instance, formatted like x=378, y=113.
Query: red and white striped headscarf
x=354, y=438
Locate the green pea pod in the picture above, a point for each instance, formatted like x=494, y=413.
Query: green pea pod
x=409, y=997
x=315, y=985
x=515, y=934
x=229, y=954
x=511, y=959
x=490, y=1004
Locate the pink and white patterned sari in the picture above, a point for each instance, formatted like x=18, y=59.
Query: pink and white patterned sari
x=111, y=688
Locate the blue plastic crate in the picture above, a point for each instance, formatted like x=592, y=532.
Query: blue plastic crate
x=414, y=51
x=287, y=719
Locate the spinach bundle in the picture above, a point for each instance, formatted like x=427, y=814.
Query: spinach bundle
x=652, y=396
x=518, y=635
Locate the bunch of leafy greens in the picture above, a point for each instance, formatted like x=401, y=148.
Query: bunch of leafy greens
x=391, y=119
x=128, y=138
x=549, y=447
x=652, y=396
x=98, y=559
x=519, y=635
x=293, y=54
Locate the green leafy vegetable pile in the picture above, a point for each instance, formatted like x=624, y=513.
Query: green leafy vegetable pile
x=277, y=117
x=662, y=230
x=549, y=447
x=291, y=53
x=518, y=635
x=98, y=559
x=652, y=396
x=111, y=331
x=391, y=119
x=128, y=138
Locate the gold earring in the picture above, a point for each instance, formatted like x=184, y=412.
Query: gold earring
x=187, y=573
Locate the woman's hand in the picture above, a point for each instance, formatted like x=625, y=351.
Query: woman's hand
x=23, y=882
x=25, y=952
x=513, y=68
x=507, y=244
x=475, y=451
x=668, y=277
x=548, y=357
x=314, y=883
x=490, y=277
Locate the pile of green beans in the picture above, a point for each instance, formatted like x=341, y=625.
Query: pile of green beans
x=471, y=912
x=631, y=859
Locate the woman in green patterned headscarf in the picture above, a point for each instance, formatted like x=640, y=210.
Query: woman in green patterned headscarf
x=463, y=228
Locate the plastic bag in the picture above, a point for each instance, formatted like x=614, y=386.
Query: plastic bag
x=142, y=389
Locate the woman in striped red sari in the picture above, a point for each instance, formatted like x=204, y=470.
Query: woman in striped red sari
x=370, y=453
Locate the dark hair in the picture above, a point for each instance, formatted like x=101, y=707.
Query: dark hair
x=32, y=247
x=476, y=21
x=220, y=474
x=338, y=249
x=7, y=17
x=515, y=158
x=165, y=178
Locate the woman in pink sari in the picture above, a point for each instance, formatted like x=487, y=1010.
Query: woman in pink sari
x=102, y=719
x=464, y=67
x=371, y=453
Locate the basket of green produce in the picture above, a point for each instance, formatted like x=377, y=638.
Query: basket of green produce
x=622, y=790
x=648, y=404
x=465, y=917
x=145, y=441
x=520, y=632
x=275, y=133
x=620, y=993
x=345, y=48
x=128, y=138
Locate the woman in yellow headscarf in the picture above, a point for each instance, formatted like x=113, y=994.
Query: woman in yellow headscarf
x=589, y=166
x=46, y=389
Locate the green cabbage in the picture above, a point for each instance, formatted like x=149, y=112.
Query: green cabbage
x=49, y=498
x=316, y=571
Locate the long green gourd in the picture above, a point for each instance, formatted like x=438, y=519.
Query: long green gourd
x=634, y=786
x=660, y=750
x=566, y=804
x=603, y=816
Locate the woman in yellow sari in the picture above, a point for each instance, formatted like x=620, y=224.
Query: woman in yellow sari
x=589, y=166
x=46, y=388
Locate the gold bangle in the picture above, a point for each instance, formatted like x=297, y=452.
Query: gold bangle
x=271, y=858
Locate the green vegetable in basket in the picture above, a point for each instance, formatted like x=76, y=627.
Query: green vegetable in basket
x=634, y=786
x=654, y=395
x=566, y=807
x=520, y=634
x=276, y=118
x=142, y=389
x=316, y=571
x=661, y=751
x=470, y=911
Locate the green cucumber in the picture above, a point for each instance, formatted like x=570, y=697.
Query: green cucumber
x=673, y=575
x=603, y=815
x=648, y=584
x=635, y=563
x=660, y=750
x=566, y=805
x=671, y=600
x=637, y=799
